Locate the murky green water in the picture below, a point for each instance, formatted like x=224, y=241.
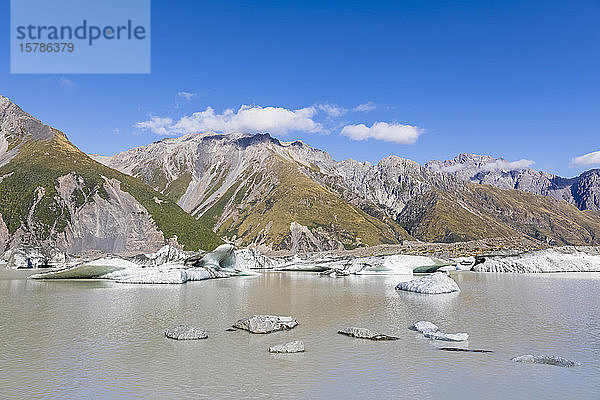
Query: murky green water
x=83, y=339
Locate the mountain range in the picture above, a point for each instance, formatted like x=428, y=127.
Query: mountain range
x=583, y=191
x=256, y=190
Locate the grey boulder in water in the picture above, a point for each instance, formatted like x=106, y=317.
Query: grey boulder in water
x=544, y=359
x=291, y=347
x=364, y=333
x=435, y=283
x=266, y=323
x=182, y=332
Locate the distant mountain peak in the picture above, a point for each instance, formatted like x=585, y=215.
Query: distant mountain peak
x=582, y=191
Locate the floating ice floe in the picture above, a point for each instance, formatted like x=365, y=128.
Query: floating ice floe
x=311, y=264
x=448, y=337
x=90, y=269
x=164, y=255
x=436, y=283
x=464, y=263
x=424, y=326
x=431, y=331
x=291, y=347
x=182, y=332
x=31, y=257
x=266, y=323
x=253, y=259
x=220, y=263
x=397, y=264
x=544, y=359
x=364, y=333
x=559, y=259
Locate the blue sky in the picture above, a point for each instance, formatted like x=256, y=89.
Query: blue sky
x=517, y=79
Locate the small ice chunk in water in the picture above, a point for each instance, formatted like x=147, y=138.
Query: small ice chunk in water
x=425, y=326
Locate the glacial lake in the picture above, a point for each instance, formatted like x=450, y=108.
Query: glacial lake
x=101, y=339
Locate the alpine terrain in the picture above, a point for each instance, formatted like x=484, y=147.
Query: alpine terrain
x=54, y=195
x=255, y=189
x=583, y=191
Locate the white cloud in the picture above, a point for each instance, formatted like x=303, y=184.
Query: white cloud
x=332, y=110
x=394, y=132
x=365, y=107
x=66, y=83
x=587, y=159
x=251, y=119
x=496, y=165
x=186, y=95
x=160, y=126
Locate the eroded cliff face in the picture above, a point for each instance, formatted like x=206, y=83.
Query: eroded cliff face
x=302, y=240
x=118, y=223
x=112, y=222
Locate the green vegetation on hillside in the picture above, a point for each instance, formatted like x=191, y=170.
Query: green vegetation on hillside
x=41, y=163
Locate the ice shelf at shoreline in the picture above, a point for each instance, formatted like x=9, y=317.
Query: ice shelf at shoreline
x=397, y=264
x=560, y=259
x=222, y=262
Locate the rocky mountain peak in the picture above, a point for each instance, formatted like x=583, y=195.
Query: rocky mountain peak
x=580, y=191
x=18, y=124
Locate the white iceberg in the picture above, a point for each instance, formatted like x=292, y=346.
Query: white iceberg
x=220, y=263
x=28, y=257
x=365, y=333
x=435, y=283
x=221, y=257
x=431, y=331
x=559, y=259
x=397, y=264
x=164, y=255
x=246, y=259
x=89, y=270
x=149, y=275
x=312, y=264
x=424, y=326
x=449, y=337
x=464, y=263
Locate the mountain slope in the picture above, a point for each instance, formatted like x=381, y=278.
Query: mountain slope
x=252, y=190
x=51, y=193
x=257, y=189
x=435, y=206
x=582, y=191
